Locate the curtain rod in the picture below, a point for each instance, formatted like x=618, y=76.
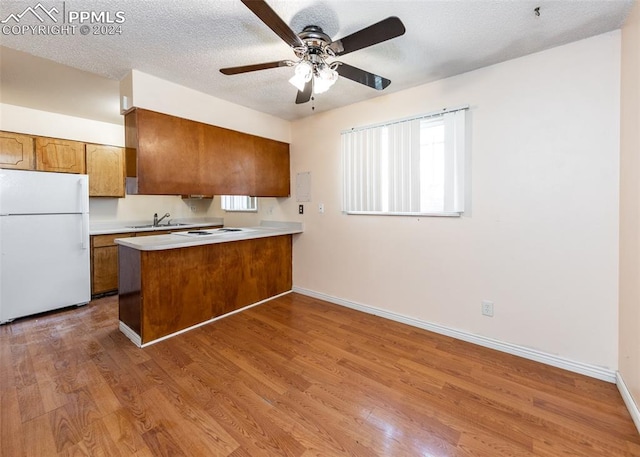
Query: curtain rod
x=409, y=118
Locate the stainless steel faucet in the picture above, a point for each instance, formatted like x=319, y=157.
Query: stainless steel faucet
x=157, y=221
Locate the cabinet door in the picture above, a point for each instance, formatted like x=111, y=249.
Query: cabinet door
x=104, y=262
x=168, y=154
x=271, y=168
x=105, y=270
x=227, y=162
x=16, y=151
x=62, y=156
x=105, y=167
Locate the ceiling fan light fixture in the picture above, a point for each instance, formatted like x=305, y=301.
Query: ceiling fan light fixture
x=324, y=78
x=302, y=75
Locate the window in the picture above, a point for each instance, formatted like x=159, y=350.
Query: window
x=239, y=203
x=409, y=167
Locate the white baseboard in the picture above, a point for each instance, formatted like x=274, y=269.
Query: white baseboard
x=131, y=334
x=137, y=340
x=593, y=371
x=630, y=403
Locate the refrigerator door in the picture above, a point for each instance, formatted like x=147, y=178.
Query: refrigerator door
x=36, y=192
x=43, y=264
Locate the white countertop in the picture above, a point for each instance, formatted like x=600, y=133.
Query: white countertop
x=183, y=239
x=109, y=227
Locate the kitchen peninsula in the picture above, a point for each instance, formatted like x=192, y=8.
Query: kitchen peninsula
x=174, y=282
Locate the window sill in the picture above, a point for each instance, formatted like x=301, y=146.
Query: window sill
x=380, y=213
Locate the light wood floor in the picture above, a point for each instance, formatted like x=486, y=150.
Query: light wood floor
x=296, y=377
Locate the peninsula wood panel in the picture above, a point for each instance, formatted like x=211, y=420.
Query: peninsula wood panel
x=130, y=288
x=106, y=170
x=61, y=156
x=16, y=151
x=183, y=287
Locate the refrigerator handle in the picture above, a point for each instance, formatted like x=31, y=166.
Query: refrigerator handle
x=85, y=230
x=84, y=196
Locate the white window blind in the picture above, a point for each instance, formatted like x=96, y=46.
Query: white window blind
x=412, y=167
x=239, y=203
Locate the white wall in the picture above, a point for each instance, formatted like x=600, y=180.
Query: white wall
x=630, y=208
x=26, y=120
x=541, y=237
x=150, y=92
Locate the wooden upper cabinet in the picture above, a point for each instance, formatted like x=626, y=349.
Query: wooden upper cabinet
x=106, y=168
x=271, y=168
x=62, y=156
x=227, y=162
x=16, y=151
x=167, y=153
x=171, y=155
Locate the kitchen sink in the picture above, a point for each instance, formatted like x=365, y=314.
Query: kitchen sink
x=161, y=226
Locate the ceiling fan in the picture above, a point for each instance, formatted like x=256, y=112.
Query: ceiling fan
x=313, y=47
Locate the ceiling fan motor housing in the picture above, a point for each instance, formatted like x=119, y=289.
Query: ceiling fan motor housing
x=316, y=41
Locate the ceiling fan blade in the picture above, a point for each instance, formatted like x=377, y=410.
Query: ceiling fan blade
x=255, y=67
x=264, y=12
x=305, y=95
x=363, y=77
x=384, y=30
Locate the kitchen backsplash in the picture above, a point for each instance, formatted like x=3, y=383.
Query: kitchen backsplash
x=142, y=207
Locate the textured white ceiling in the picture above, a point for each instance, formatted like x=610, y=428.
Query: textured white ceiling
x=188, y=41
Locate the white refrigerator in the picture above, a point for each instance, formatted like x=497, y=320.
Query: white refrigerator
x=44, y=242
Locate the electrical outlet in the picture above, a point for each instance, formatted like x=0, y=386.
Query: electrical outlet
x=300, y=209
x=194, y=209
x=487, y=308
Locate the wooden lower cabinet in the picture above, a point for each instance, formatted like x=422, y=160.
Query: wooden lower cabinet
x=104, y=263
x=165, y=291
